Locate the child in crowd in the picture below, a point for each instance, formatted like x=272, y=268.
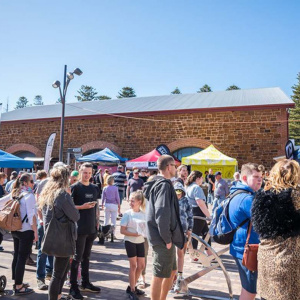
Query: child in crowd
x=186, y=218
x=133, y=226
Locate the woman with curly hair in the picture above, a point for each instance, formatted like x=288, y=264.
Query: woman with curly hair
x=276, y=218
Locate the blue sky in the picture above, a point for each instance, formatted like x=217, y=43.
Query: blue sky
x=153, y=46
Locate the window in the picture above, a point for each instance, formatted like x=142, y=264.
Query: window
x=186, y=152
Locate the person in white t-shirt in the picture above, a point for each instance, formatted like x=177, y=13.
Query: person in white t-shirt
x=133, y=226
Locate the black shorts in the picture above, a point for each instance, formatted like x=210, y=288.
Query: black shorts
x=133, y=249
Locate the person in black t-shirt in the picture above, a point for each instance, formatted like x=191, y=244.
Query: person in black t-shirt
x=85, y=196
x=211, y=186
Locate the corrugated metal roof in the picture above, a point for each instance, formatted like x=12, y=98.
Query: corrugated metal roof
x=211, y=100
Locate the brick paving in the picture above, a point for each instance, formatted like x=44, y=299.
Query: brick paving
x=109, y=270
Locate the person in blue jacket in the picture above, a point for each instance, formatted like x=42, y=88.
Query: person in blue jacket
x=240, y=210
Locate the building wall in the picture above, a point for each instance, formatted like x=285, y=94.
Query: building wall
x=255, y=136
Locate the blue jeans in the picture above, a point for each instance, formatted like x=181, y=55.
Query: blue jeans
x=121, y=195
x=217, y=202
x=44, y=263
x=210, y=198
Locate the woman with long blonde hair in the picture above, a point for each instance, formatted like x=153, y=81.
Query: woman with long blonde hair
x=276, y=218
x=55, y=199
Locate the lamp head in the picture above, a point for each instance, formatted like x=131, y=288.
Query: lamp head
x=70, y=75
x=56, y=84
x=77, y=71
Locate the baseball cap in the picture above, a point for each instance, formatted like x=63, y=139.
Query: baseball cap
x=218, y=173
x=74, y=173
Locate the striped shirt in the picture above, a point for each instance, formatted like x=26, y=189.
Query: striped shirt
x=120, y=179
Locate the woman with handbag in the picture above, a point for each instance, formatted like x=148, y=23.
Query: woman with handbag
x=276, y=218
x=23, y=238
x=59, y=216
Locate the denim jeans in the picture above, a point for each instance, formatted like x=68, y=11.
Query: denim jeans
x=44, y=263
x=217, y=202
x=83, y=249
x=210, y=198
x=22, y=246
x=61, y=268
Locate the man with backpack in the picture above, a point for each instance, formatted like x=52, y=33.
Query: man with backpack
x=240, y=211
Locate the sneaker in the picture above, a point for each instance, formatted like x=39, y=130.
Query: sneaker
x=89, y=287
x=1, y=249
x=177, y=286
x=42, y=286
x=139, y=292
x=132, y=295
x=75, y=294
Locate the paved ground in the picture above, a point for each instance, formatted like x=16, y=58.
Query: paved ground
x=109, y=270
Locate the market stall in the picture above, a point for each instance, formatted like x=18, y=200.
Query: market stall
x=8, y=160
x=211, y=158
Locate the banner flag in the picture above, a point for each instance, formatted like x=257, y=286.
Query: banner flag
x=48, y=152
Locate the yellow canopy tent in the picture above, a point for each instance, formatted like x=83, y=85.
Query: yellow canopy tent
x=211, y=158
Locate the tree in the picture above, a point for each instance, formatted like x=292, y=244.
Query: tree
x=126, y=92
x=233, y=87
x=87, y=93
x=294, y=125
x=38, y=100
x=206, y=88
x=176, y=91
x=21, y=103
x=104, y=97
x=58, y=100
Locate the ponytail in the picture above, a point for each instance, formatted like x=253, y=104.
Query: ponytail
x=19, y=182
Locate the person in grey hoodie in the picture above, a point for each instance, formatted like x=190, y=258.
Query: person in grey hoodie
x=164, y=229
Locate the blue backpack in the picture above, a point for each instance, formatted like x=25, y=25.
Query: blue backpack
x=221, y=229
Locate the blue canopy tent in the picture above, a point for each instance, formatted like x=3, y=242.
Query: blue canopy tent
x=104, y=156
x=8, y=160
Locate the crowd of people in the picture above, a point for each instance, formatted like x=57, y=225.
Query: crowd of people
x=164, y=211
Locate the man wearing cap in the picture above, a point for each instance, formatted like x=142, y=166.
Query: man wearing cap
x=134, y=184
x=221, y=190
x=74, y=177
x=120, y=180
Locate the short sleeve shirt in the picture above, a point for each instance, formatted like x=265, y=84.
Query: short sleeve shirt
x=82, y=194
x=135, y=184
x=194, y=192
x=134, y=222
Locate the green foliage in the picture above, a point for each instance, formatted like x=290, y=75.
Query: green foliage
x=87, y=93
x=103, y=97
x=233, y=87
x=126, y=92
x=58, y=100
x=294, y=124
x=176, y=91
x=206, y=88
x=21, y=103
x=38, y=100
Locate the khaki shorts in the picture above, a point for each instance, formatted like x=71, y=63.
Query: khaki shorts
x=164, y=261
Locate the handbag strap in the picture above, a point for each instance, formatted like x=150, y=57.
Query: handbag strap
x=249, y=232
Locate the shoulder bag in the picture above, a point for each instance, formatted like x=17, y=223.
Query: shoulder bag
x=60, y=237
x=250, y=253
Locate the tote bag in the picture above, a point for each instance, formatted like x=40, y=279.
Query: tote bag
x=59, y=238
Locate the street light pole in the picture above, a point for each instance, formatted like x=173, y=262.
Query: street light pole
x=62, y=121
x=67, y=78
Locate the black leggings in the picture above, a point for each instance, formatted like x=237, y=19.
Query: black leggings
x=60, y=270
x=200, y=226
x=22, y=246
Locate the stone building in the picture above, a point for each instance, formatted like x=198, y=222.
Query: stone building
x=250, y=125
